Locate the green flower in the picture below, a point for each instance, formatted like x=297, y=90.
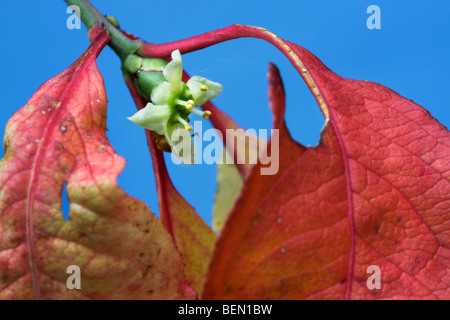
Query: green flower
x=172, y=101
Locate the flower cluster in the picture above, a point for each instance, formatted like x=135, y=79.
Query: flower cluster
x=172, y=101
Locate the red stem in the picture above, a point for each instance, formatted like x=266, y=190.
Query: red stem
x=198, y=42
x=162, y=179
x=221, y=35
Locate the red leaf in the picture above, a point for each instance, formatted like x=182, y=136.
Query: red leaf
x=375, y=191
x=122, y=250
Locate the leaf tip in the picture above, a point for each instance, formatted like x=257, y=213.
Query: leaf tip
x=276, y=95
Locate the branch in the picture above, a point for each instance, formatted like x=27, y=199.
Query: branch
x=91, y=17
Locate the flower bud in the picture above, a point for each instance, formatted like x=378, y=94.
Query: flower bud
x=148, y=73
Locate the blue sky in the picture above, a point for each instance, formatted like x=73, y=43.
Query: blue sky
x=409, y=54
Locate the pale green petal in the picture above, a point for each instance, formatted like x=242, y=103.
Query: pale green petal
x=200, y=97
x=174, y=71
x=153, y=117
x=181, y=142
x=162, y=93
x=171, y=127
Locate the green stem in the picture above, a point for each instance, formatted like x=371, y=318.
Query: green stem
x=121, y=44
